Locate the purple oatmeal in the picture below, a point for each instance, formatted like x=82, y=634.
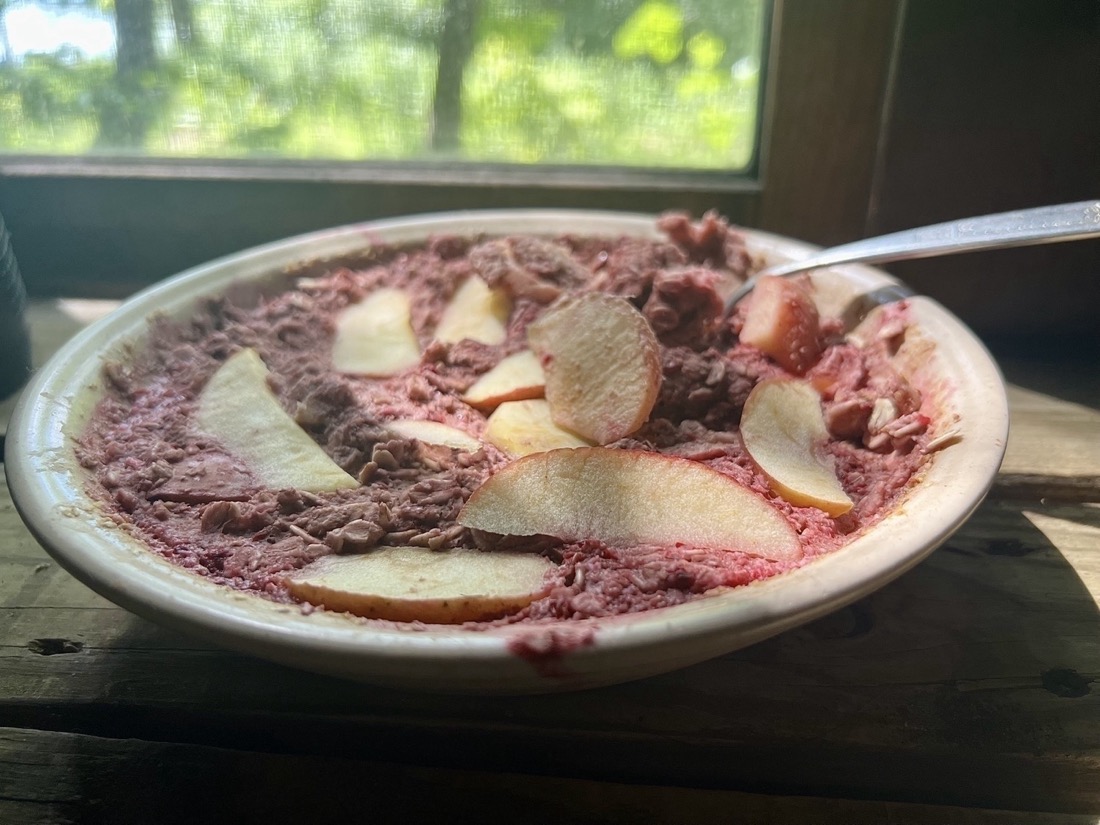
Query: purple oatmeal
x=201, y=505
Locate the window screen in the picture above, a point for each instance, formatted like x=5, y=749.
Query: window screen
x=636, y=83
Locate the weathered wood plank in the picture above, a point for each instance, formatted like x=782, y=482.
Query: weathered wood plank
x=1054, y=444
x=62, y=778
x=976, y=666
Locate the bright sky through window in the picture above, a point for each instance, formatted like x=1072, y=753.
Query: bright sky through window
x=32, y=28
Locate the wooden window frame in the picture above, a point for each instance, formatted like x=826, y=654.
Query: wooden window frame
x=104, y=227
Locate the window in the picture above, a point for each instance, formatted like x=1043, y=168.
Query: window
x=634, y=83
x=204, y=131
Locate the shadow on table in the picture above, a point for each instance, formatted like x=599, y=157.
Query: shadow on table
x=1064, y=369
x=967, y=681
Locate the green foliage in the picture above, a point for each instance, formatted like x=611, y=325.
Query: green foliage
x=48, y=104
x=630, y=82
x=655, y=30
x=705, y=50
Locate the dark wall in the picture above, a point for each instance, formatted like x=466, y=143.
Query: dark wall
x=996, y=106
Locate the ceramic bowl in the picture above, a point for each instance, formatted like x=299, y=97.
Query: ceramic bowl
x=48, y=487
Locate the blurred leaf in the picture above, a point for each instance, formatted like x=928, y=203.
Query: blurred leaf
x=655, y=30
x=705, y=50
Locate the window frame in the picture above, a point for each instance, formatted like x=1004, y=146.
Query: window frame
x=104, y=227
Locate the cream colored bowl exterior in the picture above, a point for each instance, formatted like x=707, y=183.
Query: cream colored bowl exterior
x=47, y=485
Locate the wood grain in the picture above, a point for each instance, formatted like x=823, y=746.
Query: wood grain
x=828, y=105
x=882, y=114
x=69, y=778
x=1053, y=448
x=968, y=682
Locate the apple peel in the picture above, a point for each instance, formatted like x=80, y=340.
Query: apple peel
x=408, y=584
x=628, y=498
x=781, y=320
x=516, y=377
x=784, y=432
x=602, y=364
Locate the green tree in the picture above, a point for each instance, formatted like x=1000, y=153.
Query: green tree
x=634, y=82
x=183, y=23
x=132, y=103
x=7, y=57
x=456, y=43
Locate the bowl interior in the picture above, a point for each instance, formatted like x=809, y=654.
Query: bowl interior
x=47, y=485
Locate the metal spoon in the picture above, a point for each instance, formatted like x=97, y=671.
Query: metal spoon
x=1024, y=227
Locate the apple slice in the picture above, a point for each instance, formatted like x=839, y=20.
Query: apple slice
x=784, y=432
x=602, y=364
x=781, y=319
x=520, y=428
x=627, y=498
x=238, y=408
x=375, y=337
x=408, y=584
x=515, y=378
x=433, y=432
x=475, y=312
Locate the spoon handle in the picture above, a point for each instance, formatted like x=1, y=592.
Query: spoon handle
x=1046, y=224
x=1024, y=227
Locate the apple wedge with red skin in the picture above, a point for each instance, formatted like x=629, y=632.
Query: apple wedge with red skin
x=627, y=498
x=784, y=432
x=517, y=377
x=409, y=584
x=602, y=364
x=781, y=320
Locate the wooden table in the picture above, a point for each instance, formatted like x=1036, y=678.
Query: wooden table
x=965, y=692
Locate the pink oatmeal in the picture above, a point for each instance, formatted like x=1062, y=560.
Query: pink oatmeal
x=201, y=508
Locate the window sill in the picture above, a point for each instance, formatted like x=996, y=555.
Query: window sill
x=424, y=173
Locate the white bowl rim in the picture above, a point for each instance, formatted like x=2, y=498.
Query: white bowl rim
x=45, y=482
